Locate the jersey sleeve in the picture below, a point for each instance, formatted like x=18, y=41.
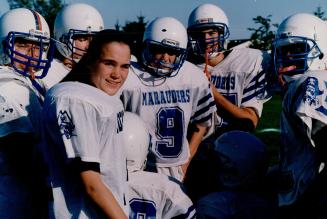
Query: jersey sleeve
x=254, y=91
x=19, y=112
x=77, y=121
x=311, y=107
x=204, y=106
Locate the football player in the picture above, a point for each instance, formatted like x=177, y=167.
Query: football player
x=152, y=195
x=169, y=94
x=83, y=121
x=25, y=58
x=300, y=49
x=73, y=29
x=236, y=75
x=237, y=78
x=239, y=164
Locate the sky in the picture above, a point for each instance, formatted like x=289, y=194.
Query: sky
x=239, y=12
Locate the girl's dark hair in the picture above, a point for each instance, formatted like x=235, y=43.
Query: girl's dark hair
x=82, y=70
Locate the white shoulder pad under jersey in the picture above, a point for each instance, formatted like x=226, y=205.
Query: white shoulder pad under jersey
x=304, y=113
x=56, y=73
x=168, y=105
x=20, y=104
x=84, y=122
x=154, y=195
x=240, y=77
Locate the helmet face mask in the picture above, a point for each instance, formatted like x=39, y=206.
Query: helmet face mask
x=159, y=66
x=297, y=52
x=68, y=41
x=200, y=44
x=17, y=47
x=26, y=45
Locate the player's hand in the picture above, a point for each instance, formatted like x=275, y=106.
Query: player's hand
x=184, y=169
x=282, y=70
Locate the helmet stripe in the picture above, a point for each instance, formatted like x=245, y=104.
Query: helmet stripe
x=38, y=22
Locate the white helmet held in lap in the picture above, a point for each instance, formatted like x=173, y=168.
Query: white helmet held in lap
x=137, y=141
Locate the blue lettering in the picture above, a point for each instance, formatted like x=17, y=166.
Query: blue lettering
x=151, y=102
x=156, y=98
x=144, y=102
x=163, y=98
x=120, y=119
x=168, y=95
x=232, y=82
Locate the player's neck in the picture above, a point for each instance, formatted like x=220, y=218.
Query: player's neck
x=216, y=60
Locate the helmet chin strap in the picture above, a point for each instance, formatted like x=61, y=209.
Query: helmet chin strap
x=32, y=73
x=206, y=71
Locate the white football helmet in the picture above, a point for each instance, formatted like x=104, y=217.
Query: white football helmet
x=164, y=34
x=301, y=40
x=28, y=25
x=72, y=21
x=137, y=141
x=204, y=17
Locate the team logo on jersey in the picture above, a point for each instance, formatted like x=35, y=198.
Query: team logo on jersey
x=311, y=91
x=120, y=119
x=66, y=124
x=321, y=108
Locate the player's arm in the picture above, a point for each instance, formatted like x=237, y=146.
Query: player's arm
x=246, y=115
x=194, y=142
x=100, y=194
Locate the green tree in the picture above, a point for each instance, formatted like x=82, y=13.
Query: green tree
x=47, y=8
x=262, y=37
x=320, y=13
x=135, y=29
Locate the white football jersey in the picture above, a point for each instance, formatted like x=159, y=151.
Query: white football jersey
x=154, y=195
x=240, y=78
x=83, y=122
x=20, y=112
x=168, y=105
x=20, y=104
x=304, y=111
x=56, y=73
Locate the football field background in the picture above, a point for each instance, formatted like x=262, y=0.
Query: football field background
x=268, y=127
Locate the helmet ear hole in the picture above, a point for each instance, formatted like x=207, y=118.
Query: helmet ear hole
x=321, y=56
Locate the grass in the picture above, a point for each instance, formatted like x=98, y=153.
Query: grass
x=267, y=129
